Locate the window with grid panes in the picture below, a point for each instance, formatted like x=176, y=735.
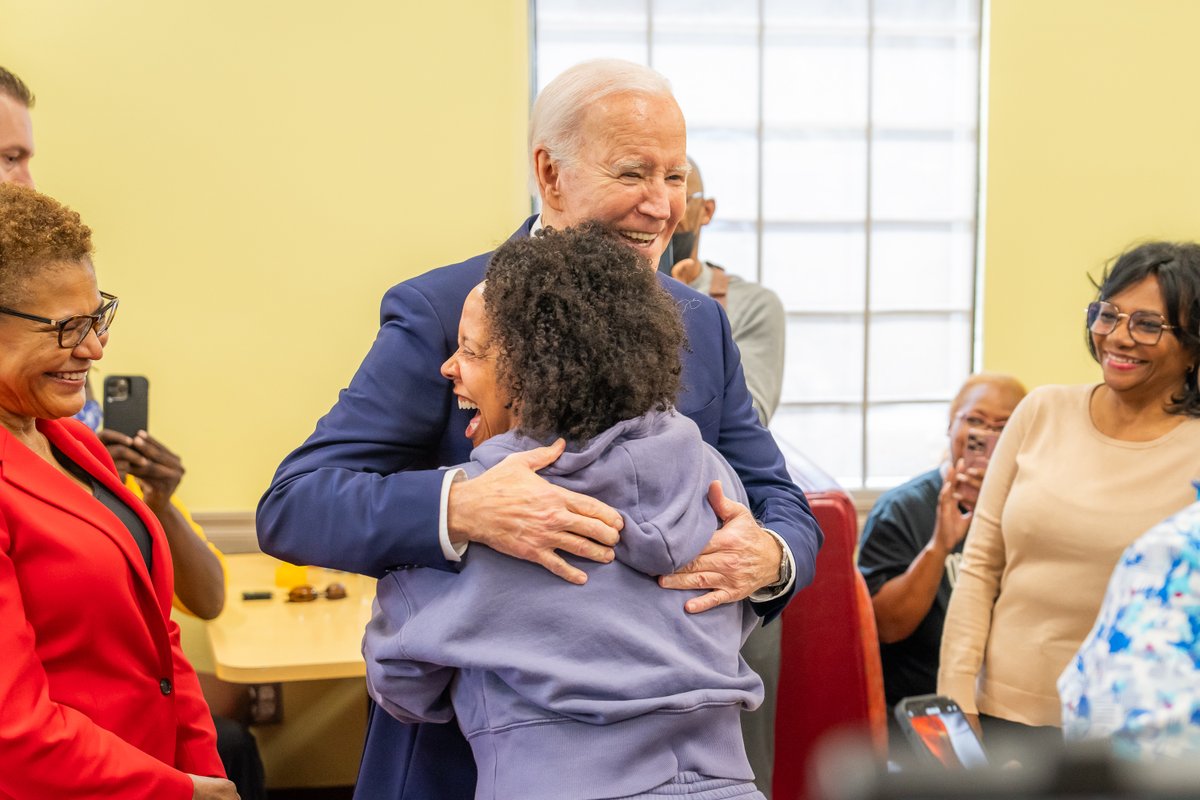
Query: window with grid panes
x=840, y=139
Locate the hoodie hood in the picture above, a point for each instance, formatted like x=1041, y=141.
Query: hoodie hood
x=665, y=527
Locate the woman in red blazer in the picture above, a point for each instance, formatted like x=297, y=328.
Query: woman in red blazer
x=96, y=698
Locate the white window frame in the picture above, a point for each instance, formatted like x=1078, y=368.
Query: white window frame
x=862, y=485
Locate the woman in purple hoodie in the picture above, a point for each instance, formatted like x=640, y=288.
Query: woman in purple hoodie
x=606, y=689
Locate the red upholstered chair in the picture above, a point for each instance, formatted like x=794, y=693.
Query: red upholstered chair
x=830, y=677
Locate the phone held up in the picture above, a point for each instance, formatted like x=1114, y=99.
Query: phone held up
x=980, y=445
x=126, y=403
x=939, y=732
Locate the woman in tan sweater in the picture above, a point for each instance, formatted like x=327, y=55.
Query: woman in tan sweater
x=1078, y=474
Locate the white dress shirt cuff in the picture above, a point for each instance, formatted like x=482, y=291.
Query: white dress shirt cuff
x=451, y=551
x=787, y=568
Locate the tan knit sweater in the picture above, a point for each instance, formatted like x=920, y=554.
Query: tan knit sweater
x=1060, y=503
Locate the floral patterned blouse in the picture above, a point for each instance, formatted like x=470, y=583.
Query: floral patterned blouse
x=1136, y=678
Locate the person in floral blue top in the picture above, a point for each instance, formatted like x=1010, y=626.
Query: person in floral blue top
x=1136, y=679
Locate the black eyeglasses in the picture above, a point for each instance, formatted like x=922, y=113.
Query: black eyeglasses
x=73, y=330
x=1145, y=327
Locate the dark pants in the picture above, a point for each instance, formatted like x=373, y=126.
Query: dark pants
x=238, y=750
x=414, y=762
x=1005, y=741
x=761, y=652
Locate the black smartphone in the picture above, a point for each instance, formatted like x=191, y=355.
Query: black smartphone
x=939, y=731
x=127, y=403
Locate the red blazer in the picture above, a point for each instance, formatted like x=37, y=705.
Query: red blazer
x=96, y=698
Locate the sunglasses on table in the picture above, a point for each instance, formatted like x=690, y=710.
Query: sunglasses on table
x=74, y=329
x=306, y=593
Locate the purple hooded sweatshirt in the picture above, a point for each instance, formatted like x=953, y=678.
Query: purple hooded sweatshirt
x=572, y=692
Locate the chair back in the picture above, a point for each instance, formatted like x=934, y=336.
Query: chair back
x=830, y=674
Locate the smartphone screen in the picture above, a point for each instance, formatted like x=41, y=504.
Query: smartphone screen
x=937, y=727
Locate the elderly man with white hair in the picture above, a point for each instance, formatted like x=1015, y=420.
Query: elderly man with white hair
x=608, y=143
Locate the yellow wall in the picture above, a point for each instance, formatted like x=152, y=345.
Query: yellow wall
x=1094, y=144
x=257, y=174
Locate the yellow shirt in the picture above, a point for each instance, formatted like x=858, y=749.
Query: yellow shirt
x=132, y=485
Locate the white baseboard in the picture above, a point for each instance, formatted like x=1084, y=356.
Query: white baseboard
x=230, y=531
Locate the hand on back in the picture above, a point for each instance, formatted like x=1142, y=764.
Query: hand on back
x=515, y=511
x=740, y=559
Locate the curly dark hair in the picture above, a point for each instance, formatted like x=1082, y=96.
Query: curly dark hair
x=585, y=335
x=36, y=232
x=1177, y=267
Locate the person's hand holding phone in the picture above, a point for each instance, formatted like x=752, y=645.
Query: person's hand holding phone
x=158, y=470
x=951, y=523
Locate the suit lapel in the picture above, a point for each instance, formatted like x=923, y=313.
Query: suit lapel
x=22, y=467
x=690, y=400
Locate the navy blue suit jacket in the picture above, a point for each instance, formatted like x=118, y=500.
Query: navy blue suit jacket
x=362, y=494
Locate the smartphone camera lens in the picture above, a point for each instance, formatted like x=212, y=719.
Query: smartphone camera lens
x=118, y=390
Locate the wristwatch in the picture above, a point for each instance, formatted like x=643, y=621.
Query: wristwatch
x=785, y=565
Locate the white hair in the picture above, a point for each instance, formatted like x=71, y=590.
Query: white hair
x=555, y=122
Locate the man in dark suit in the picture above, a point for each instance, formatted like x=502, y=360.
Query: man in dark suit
x=608, y=143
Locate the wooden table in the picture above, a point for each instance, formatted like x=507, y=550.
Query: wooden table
x=265, y=641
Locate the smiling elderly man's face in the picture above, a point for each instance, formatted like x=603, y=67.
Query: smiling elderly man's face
x=631, y=172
